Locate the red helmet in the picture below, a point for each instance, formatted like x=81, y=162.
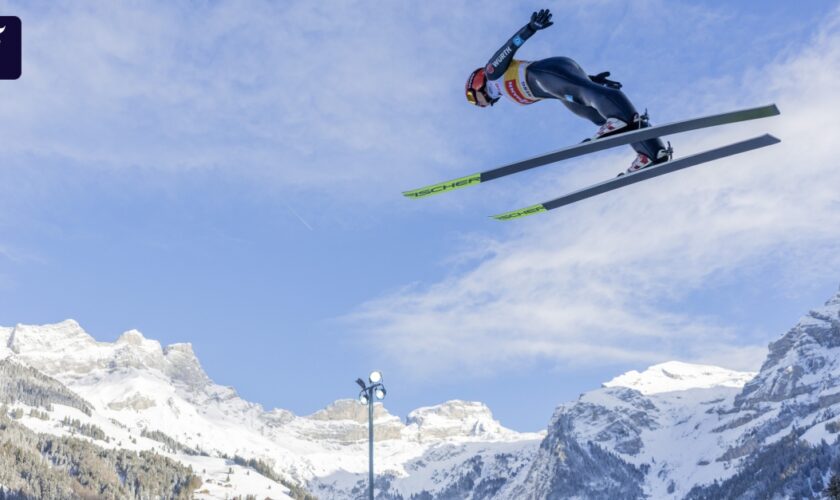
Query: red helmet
x=477, y=89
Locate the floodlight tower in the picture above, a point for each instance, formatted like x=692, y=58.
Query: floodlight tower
x=366, y=395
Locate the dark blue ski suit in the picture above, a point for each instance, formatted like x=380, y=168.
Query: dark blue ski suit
x=592, y=97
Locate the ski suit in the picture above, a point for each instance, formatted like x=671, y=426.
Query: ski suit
x=562, y=78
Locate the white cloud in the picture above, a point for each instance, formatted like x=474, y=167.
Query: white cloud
x=602, y=281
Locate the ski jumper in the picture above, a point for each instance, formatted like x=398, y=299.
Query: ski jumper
x=562, y=78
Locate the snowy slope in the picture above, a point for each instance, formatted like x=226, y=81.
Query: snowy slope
x=678, y=376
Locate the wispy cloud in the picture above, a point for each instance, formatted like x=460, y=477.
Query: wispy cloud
x=603, y=281
x=301, y=94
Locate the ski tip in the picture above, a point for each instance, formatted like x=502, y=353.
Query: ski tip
x=764, y=140
x=522, y=212
x=769, y=110
x=765, y=111
x=442, y=187
x=772, y=139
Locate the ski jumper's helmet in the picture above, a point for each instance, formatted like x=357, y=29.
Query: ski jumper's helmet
x=477, y=89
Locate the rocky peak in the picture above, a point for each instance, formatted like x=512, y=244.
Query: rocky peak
x=455, y=418
x=49, y=339
x=132, y=337
x=834, y=302
x=803, y=360
x=183, y=365
x=450, y=410
x=184, y=348
x=346, y=421
x=178, y=361
x=134, y=350
x=66, y=351
x=350, y=409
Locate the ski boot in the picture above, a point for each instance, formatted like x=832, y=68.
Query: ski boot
x=615, y=126
x=610, y=127
x=643, y=161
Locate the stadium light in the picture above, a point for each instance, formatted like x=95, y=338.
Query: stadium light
x=366, y=397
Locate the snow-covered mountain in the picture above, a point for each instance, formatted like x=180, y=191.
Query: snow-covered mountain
x=145, y=396
x=674, y=430
x=678, y=430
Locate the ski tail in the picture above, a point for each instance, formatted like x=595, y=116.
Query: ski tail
x=522, y=212
x=644, y=174
x=442, y=187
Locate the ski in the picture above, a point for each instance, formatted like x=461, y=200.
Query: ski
x=597, y=145
x=644, y=174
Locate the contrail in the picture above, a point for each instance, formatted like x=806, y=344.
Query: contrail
x=290, y=209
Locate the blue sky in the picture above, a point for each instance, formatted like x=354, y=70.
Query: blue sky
x=229, y=174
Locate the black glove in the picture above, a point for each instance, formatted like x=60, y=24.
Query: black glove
x=601, y=78
x=540, y=20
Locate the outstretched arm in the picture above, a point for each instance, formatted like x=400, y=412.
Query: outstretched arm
x=501, y=59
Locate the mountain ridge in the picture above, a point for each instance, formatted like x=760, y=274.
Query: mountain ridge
x=673, y=430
